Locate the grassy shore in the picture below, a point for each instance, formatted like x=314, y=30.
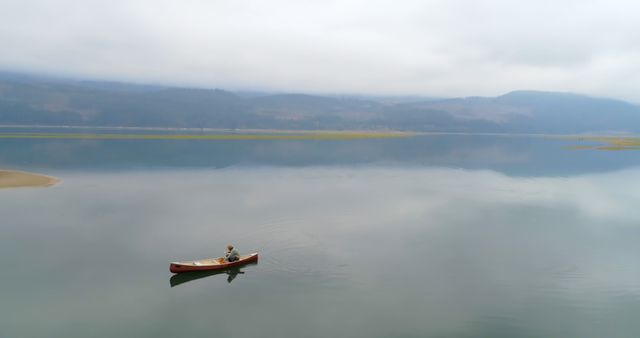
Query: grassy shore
x=608, y=142
x=17, y=179
x=334, y=135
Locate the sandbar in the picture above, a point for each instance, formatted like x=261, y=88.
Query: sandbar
x=608, y=142
x=18, y=179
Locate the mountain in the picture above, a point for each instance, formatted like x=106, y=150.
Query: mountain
x=541, y=112
x=28, y=100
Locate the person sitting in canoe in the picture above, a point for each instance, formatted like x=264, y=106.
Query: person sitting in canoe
x=231, y=255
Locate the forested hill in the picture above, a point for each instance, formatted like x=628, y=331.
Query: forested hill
x=41, y=101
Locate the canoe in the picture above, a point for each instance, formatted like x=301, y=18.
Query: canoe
x=211, y=264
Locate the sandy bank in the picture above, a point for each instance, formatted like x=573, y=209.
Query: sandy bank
x=16, y=179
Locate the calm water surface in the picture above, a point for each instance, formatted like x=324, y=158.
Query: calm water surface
x=430, y=236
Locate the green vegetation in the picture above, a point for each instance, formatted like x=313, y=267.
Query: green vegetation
x=299, y=136
x=610, y=143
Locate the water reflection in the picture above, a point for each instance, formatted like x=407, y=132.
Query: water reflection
x=186, y=277
x=346, y=252
x=513, y=155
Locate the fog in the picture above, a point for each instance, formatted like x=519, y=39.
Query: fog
x=437, y=48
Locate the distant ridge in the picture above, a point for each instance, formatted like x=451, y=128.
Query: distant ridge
x=32, y=100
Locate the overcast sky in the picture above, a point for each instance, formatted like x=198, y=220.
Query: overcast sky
x=411, y=47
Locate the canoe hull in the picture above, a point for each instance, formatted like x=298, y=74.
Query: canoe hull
x=209, y=265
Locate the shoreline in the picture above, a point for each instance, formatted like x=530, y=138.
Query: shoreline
x=276, y=132
x=228, y=136
x=208, y=129
x=19, y=179
x=608, y=143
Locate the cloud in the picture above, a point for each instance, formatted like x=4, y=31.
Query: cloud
x=434, y=47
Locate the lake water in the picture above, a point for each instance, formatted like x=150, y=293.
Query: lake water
x=427, y=236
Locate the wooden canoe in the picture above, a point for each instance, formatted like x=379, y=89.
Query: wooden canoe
x=211, y=264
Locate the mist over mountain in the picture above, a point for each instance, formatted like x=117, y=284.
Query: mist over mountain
x=28, y=100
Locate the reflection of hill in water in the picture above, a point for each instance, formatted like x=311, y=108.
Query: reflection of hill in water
x=512, y=155
x=186, y=277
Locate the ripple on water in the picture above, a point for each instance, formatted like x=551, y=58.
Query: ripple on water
x=289, y=246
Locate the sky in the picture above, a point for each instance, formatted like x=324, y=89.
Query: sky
x=410, y=47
